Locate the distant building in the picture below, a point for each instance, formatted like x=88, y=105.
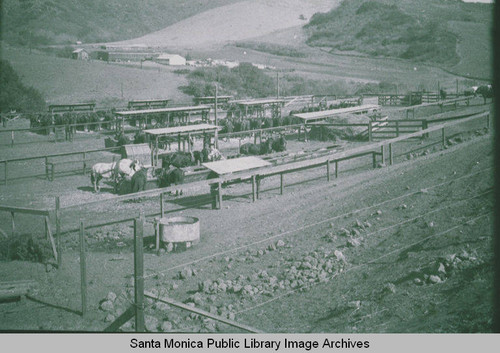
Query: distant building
x=80, y=54
x=170, y=59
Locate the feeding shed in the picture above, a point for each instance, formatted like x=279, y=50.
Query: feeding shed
x=182, y=134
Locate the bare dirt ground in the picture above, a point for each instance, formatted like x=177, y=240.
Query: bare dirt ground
x=396, y=249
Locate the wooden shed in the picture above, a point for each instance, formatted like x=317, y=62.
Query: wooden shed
x=141, y=152
x=80, y=54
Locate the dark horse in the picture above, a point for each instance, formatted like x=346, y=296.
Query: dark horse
x=139, y=180
x=169, y=176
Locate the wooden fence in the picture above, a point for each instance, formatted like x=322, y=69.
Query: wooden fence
x=386, y=129
x=49, y=163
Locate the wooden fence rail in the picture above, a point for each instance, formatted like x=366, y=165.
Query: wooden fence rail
x=45, y=158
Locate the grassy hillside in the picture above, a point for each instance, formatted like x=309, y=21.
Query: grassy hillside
x=65, y=21
x=416, y=30
x=234, y=22
x=63, y=81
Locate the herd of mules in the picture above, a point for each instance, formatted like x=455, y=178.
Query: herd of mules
x=173, y=164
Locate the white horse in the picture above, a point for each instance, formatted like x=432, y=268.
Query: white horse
x=117, y=171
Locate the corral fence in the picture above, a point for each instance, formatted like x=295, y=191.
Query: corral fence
x=383, y=149
x=411, y=98
x=49, y=165
x=385, y=129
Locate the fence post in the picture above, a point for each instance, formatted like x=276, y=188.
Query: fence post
x=370, y=137
x=397, y=128
x=58, y=231
x=162, y=209
x=5, y=171
x=84, y=162
x=47, y=167
x=327, y=170
x=488, y=121
x=219, y=194
x=83, y=269
x=443, y=137
x=257, y=187
x=157, y=235
x=13, y=223
x=382, y=152
x=390, y=154
x=281, y=184
x=336, y=169
x=254, y=189
x=12, y=139
x=139, y=274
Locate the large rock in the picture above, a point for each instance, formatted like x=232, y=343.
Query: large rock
x=151, y=323
x=107, y=306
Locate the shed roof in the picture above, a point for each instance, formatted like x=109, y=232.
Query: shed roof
x=332, y=112
x=169, y=56
x=260, y=101
x=236, y=165
x=164, y=110
x=181, y=129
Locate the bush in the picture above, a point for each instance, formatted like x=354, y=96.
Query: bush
x=16, y=96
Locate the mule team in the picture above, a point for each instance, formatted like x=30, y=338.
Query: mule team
x=172, y=172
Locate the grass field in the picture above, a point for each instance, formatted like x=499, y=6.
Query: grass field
x=65, y=81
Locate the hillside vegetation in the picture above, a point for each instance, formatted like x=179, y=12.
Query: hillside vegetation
x=65, y=21
x=14, y=95
x=416, y=30
x=247, y=81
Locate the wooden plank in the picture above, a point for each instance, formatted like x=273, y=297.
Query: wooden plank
x=219, y=195
x=139, y=273
x=13, y=223
x=281, y=184
x=390, y=154
x=83, y=269
x=202, y=313
x=254, y=189
x=58, y=231
x=122, y=319
x=236, y=164
x=51, y=238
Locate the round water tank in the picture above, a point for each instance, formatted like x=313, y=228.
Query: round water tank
x=179, y=229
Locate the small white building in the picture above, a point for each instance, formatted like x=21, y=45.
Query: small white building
x=170, y=59
x=80, y=54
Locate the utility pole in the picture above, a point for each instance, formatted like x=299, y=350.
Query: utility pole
x=277, y=86
x=216, y=92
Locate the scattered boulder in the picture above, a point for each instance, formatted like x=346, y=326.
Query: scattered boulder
x=434, y=279
x=107, y=306
x=166, y=326
x=151, y=323
x=390, y=288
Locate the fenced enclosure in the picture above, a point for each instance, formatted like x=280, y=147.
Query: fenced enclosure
x=269, y=181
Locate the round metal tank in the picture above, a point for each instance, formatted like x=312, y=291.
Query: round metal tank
x=179, y=229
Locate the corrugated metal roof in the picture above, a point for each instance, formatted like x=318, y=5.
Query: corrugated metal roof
x=260, y=101
x=169, y=56
x=236, y=164
x=332, y=112
x=164, y=110
x=181, y=129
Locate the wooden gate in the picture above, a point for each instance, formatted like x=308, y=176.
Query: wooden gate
x=385, y=129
